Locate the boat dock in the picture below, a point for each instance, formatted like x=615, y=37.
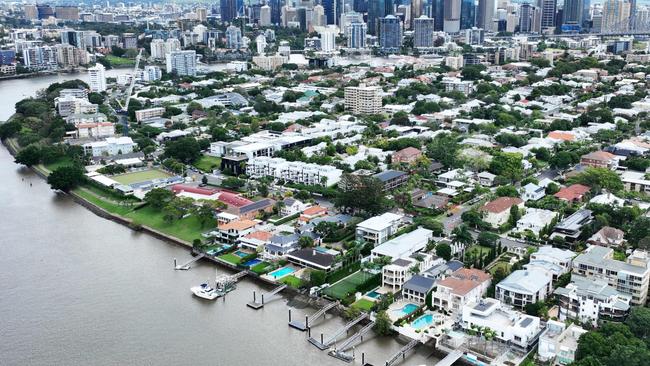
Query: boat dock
x=311, y=318
x=452, y=357
x=269, y=296
x=186, y=266
x=323, y=345
x=402, y=352
x=341, y=351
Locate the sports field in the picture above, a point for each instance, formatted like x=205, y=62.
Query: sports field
x=348, y=285
x=141, y=176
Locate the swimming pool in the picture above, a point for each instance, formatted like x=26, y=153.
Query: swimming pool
x=241, y=254
x=422, y=322
x=252, y=262
x=374, y=294
x=405, y=310
x=281, y=272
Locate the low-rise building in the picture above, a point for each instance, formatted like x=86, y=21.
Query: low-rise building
x=524, y=287
x=417, y=288
x=555, y=260
x=231, y=232
x=312, y=258
x=378, y=229
x=571, y=227
x=599, y=159
x=95, y=130
x=558, y=343
x=608, y=236
x=148, y=113
x=589, y=300
x=463, y=286
x=404, y=245
x=497, y=212
x=110, y=147
x=508, y=324
x=293, y=171
x=407, y=155
x=532, y=192
x=572, y=193
x=392, y=179
x=536, y=220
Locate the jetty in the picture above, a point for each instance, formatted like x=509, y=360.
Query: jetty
x=185, y=266
x=341, y=350
x=325, y=344
x=452, y=357
x=401, y=354
x=311, y=318
x=269, y=296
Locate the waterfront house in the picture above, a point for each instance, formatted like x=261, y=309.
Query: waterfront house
x=417, y=288
x=558, y=343
x=404, y=245
x=231, y=232
x=524, y=287
x=461, y=287
x=312, y=258
x=377, y=229
x=256, y=240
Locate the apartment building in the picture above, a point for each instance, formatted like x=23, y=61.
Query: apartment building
x=363, y=99
x=554, y=260
x=404, y=245
x=110, y=147
x=630, y=277
x=293, y=171
x=144, y=114
x=70, y=105
x=591, y=299
x=524, y=287
x=231, y=232
x=97, y=78
x=378, y=229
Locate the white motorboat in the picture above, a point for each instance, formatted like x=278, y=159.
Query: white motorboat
x=205, y=291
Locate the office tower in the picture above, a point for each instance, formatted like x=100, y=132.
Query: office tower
x=183, y=63
x=485, y=14
x=97, y=78
x=328, y=39
x=417, y=8
x=332, y=10
x=403, y=12
x=616, y=14
x=228, y=10
x=363, y=99
x=526, y=18
x=451, y=16
x=7, y=57
x=304, y=16
x=360, y=6
x=265, y=16
x=467, y=14
x=436, y=10
x=288, y=15
x=129, y=40
x=73, y=38
x=276, y=11
x=31, y=11
x=68, y=55
x=67, y=12
x=349, y=18
x=390, y=34
x=201, y=32
x=356, y=34
x=575, y=15
x=39, y=58
x=548, y=9
x=318, y=16
x=202, y=14
x=378, y=9
x=537, y=20
x=423, y=35
x=233, y=37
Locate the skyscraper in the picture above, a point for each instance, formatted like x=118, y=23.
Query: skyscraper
x=423, y=34
x=183, y=63
x=485, y=14
x=233, y=37
x=451, y=16
x=332, y=10
x=467, y=14
x=265, y=16
x=417, y=7
x=525, y=18
x=276, y=11
x=548, y=9
x=228, y=10
x=390, y=34
x=435, y=9
x=378, y=9
x=355, y=32
x=575, y=15
x=616, y=14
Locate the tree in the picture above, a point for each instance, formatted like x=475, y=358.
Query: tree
x=158, y=197
x=325, y=228
x=430, y=223
x=507, y=165
x=95, y=98
x=444, y=149
x=515, y=215
x=461, y=235
x=599, y=177
x=400, y=118
x=66, y=178
x=563, y=160
x=361, y=193
x=383, y=326
x=305, y=242
x=487, y=239
x=507, y=191
x=443, y=250
x=186, y=150
x=31, y=155
x=317, y=278
x=639, y=322
x=205, y=214
x=263, y=189
x=473, y=218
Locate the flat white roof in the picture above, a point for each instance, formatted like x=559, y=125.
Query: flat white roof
x=381, y=222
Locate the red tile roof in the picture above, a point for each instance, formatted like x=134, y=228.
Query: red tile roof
x=464, y=280
x=501, y=204
x=599, y=155
x=572, y=193
x=178, y=188
x=233, y=199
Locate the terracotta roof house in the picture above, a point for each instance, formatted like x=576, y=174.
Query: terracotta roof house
x=234, y=230
x=608, y=236
x=572, y=193
x=462, y=286
x=497, y=212
x=312, y=213
x=599, y=159
x=562, y=135
x=408, y=155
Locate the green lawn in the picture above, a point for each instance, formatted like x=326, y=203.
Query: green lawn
x=348, y=285
x=363, y=304
x=231, y=258
x=64, y=161
x=208, y=163
x=500, y=264
x=261, y=268
x=108, y=205
x=119, y=61
x=141, y=176
x=187, y=229
x=292, y=281
x=475, y=249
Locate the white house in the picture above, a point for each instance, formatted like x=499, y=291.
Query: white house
x=559, y=343
x=590, y=299
x=532, y=192
x=536, y=219
x=461, y=287
x=524, y=287
x=508, y=324
x=558, y=261
x=377, y=229
x=404, y=245
x=94, y=130
x=109, y=147
x=397, y=273
x=293, y=206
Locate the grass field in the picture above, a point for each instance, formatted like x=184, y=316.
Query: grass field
x=65, y=161
x=363, y=304
x=475, y=250
x=107, y=204
x=141, y=176
x=119, y=61
x=292, y=281
x=208, y=163
x=187, y=229
x=348, y=285
x=231, y=258
x=261, y=268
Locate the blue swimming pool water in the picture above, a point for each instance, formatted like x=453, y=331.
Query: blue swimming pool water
x=252, y=262
x=321, y=249
x=423, y=322
x=281, y=272
x=405, y=310
x=373, y=294
x=241, y=254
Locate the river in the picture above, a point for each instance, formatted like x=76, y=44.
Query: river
x=76, y=289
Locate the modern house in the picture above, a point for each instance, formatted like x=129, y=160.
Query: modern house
x=554, y=260
x=400, y=270
x=509, y=325
x=312, y=258
x=532, y=192
x=558, y=343
x=590, y=299
x=497, y=212
x=378, y=229
x=404, y=245
x=535, y=220
x=524, y=287
x=417, y=288
x=231, y=232
x=486, y=179
x=630, y=277
x=463, y=286
x=571, y=227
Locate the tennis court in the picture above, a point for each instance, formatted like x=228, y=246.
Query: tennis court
x=349, y=285
x=140, y=176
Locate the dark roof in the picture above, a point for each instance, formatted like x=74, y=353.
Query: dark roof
x=401, y=262
x=258, y=205
x=388, y=175
x=313, y=256
x=420, y=284
x=455, y=265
